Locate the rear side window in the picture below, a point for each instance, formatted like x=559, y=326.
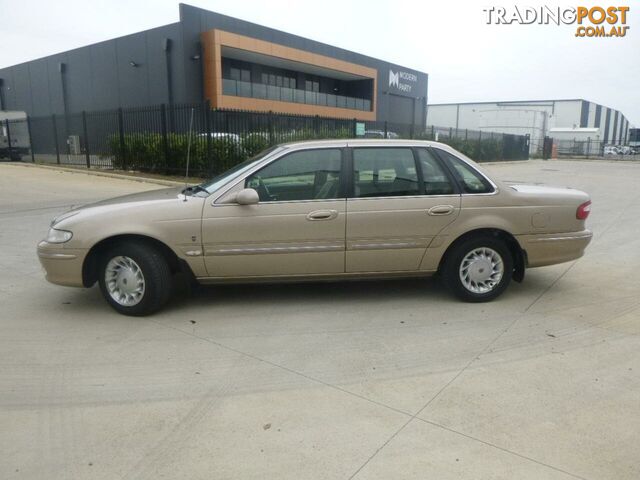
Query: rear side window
x=384, y=172
x=470, y=180
x=436, y=181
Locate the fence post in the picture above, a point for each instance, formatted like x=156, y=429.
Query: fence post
x=588, y=146
x=270, y=127
x=55, y=137
x=207, y=129
x=316, y=125
x=6, y=122
x=411, y=131
x=386, y=129
x=33, y=158
x=466, y=134
x=450, y=132
x=354, y=127
x=123, y=163
x=165, y=143
x=86, y=138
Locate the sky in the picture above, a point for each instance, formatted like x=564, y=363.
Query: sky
x=466, y=59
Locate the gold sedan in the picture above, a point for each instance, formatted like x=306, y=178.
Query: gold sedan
x=322, y=210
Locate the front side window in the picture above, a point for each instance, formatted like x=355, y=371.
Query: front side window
x=303, y=175
x=435, y=179
x=384, y=172
x=470, y=180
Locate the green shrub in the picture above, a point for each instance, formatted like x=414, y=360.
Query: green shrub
x=478, y=150
x=254, y=143
x=146, y=152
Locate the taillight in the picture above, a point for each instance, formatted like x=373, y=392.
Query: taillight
x=583, y=210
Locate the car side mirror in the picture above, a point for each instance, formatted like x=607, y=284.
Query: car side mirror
x=247, y=196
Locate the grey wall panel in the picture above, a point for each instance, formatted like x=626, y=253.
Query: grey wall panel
x=133, y=81
x=400, y=108
x=55, y=82
x=104, y=75
x=8, y=90
x=4, y=80
x=584, y=114
x=41, y=104
x=156, y=63
x=22, y=86
x=614, y=130
x=80, y=91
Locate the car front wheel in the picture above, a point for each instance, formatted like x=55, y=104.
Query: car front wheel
x=135, y=279
x=478, y=269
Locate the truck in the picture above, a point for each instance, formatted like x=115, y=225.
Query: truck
x=14, y=135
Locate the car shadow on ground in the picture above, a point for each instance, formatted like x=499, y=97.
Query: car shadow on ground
x=320, y=294
x=333, y=293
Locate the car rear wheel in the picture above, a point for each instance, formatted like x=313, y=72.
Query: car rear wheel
x=135, y=279
x=478, y=269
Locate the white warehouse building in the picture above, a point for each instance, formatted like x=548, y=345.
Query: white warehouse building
x=563, y=119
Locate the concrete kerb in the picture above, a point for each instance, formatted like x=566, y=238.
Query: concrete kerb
x=101, y=173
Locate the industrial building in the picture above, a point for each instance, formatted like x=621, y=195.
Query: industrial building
x=229, y=62
x=570, y=119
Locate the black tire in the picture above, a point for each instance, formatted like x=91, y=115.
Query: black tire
x=451, y=268
x=155, y=271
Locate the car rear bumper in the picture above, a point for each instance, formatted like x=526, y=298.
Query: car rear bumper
x=63, y=266
x=552, y=248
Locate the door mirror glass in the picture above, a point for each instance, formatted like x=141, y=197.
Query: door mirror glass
x=247, y=196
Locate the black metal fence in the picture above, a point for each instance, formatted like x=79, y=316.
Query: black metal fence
x=155, y=139
x=595, y=149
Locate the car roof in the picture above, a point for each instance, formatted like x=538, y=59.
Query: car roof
x=368, y=142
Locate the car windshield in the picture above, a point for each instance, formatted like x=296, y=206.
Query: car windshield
x=218, y=181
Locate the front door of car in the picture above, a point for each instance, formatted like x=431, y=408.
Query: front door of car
x=401, y=198
x=297, y=227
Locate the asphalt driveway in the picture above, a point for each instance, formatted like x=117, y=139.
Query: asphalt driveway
x=391, y=379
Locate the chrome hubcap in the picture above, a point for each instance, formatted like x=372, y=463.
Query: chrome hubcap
x=124, y=281
x=481, y=270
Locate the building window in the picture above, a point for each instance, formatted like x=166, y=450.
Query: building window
x=312, y=86
x=276, y=80
x=240, y=74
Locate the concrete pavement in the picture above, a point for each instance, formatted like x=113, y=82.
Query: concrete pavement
x=364, y=380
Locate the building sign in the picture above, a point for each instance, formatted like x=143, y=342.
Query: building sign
x=402, y=81
x=360, y=129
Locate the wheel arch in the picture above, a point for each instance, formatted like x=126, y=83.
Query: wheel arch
x=519, y=255
x=91, y=261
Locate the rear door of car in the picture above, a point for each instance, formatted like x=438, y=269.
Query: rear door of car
x=399, y=199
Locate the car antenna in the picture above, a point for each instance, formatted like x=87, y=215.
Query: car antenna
x=186, y=174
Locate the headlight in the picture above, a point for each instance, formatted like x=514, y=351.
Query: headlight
x=58, y=236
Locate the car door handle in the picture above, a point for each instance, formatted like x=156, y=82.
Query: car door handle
x=441, y=210
x=322, y=215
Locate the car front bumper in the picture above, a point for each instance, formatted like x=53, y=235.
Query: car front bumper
x=63, y=266
x=552, y=248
